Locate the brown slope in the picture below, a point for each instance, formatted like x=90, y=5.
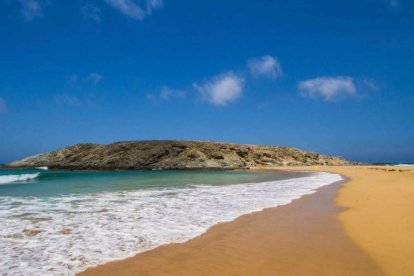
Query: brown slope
x=174, y=155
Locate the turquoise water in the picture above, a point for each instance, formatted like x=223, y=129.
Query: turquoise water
x=54, y=183
x=62, y=222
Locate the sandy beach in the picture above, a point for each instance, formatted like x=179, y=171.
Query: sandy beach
x=363, y=226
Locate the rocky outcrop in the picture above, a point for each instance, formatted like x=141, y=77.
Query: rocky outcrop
x=174, y=155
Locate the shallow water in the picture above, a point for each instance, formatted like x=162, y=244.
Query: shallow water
x=61, y=222
x=41, y=183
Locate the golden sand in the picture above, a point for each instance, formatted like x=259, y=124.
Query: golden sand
x=380, y=213
x=380, y=218
x=374, y=235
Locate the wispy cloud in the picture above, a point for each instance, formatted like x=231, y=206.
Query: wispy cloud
x=95, y=77
x=30, y=9
x=3, y=106
x=91, y=11
x=265, y=66
x=76, y=80
x=167, y=93
x=70, y=100
x=328, y=88
x=154, y=4
x=369, y=84
x=132, y=9
x=394, y=3
x=221, y=89
x=72, y=79
x=128, y=7
x=80, y=91
x=65, y=99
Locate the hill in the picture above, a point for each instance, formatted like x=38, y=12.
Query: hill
x=180, y=154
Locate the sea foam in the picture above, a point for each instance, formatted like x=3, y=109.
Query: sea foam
x=64, y=235
x=5, y=179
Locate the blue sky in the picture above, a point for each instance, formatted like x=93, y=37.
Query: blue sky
x=335, y=77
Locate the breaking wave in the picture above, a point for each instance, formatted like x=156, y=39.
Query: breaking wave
x=66, y=234
x=6, y=179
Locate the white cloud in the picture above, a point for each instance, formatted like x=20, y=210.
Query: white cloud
x=92, y=12
x=222, y=89
x=3, y=106
x=133, y=10
x=31, y=9
x=266, y=66
x=328, y=88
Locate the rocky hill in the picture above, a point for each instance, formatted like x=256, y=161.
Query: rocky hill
x=174, y=155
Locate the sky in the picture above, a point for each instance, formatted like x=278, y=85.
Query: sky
x=335, y=77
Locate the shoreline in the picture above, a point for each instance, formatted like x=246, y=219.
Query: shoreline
x=97, y=227
x=379, y=215
x=254, y=239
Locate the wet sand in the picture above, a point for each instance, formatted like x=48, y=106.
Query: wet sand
x=370, y=235
x=380, y=214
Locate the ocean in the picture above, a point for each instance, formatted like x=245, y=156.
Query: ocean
x=61, y=222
